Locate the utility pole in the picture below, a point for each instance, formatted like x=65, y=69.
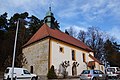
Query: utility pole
x=13, y=61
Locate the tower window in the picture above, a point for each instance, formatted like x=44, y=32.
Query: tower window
x=46, y=20
x=73, y=55
x=61, y=49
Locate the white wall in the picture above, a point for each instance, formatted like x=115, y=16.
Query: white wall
x=58, y=57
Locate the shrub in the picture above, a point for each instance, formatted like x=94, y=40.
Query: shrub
x=51, y=73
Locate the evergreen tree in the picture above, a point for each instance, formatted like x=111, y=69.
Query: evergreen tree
x=34, y=24
x=3, y=22
x=7, y=35
x=51, y=73
x=112, y=53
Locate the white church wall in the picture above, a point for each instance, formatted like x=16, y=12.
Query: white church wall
x=58, y=57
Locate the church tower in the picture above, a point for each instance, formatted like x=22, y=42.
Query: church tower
x=50, y=20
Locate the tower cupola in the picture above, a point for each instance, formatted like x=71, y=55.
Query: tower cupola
x=49, y=13
x=50, y=20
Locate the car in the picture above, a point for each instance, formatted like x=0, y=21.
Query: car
x=92, y=75
x=19, y=73
x=113, y=72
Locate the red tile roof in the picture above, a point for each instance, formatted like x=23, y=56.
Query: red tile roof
x=46, y=31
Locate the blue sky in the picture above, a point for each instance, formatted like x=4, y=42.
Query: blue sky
x=79, y=14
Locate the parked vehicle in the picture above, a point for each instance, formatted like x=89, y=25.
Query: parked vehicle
x=113, y=72
x=19, y=73
x=93, y=75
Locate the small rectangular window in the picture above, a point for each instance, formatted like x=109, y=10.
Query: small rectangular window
x=31, y=69
x=61, y=49
x=73, y=55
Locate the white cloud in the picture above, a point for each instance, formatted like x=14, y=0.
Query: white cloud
x=85, y=8
x=91, y=10
x=75, y=27
x=19, y=6
x=115, y=32
x=68, y=12
x=78, y=28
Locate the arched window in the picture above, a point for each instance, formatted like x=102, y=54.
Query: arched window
x=84, y=57
x=73, y=55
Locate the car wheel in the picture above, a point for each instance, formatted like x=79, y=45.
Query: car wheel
x=106, y=78
x=113, y=78
x=95, y=78
x=8, y=78
x=14, y=78
x=33, y=78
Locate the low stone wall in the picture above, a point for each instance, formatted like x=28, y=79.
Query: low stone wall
x=60, y=78
x=42, y=77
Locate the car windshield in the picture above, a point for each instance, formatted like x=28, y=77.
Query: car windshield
x=7, y=70
x=111, y=70
x=86, y=72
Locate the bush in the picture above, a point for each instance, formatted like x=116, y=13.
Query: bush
x=51, y=73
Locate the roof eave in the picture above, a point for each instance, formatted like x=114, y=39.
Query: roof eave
x=88, y=50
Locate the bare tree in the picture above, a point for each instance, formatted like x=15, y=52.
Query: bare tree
x=95, y=40
x=72, y=32
x=92, y=36
x=82, y=36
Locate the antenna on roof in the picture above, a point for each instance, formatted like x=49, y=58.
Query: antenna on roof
x=50, y=8
x=50, y=5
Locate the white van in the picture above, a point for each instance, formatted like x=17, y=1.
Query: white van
x=113, y=72
x=19, y=74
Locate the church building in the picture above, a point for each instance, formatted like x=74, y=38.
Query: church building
x=50, y=46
